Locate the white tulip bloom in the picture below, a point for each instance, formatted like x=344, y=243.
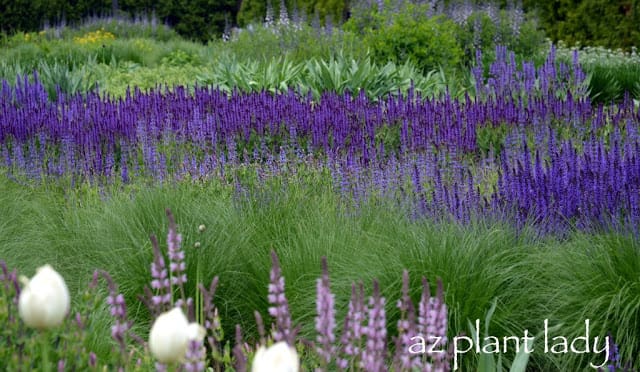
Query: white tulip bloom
x=44, y=300
x=280, y=357
x=170, y=336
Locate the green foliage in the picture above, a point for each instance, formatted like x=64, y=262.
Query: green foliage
x=200, y=20
x=412, y=36
x=598, y=275
x=491, y=138
x=17, y=15
x=612, y=24
x=254, y=11
x=123, y=27
x=338, y=74
x=480, y=32
x=124, y=63
x=81, y=229
x=57, y=77
x=31, y=51
x=116, y=80
x=610, y=73
x=257, y=42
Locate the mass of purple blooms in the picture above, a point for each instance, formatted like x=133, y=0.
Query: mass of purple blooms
x=528, y=147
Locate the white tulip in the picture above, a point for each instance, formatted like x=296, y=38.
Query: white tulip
x=170, y=336
x=280, y=357
x=44, y=300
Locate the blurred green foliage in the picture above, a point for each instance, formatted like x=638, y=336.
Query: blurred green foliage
x=611, y=73
x=613, y=24
x=409, y=35
x=199, y=20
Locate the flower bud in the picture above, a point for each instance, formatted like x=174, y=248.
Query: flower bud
x=44, y=300
x=280, y=357
x=170, y=336
x=196, y=245
x=202, y=228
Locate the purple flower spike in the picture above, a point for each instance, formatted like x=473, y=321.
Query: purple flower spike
x=161, y=300
x=325, y=318
x=432, y=324
x=239, y=352
x=407, y=328
x=93, y=360
x=279, y=308
x=373, y=356
x=177, y=265
x=10, y=282
x=194, y=356
x=353, y=330
x=121, y=329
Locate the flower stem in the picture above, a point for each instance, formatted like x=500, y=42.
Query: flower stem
x=46, y=364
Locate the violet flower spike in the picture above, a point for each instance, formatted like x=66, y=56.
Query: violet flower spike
x=279, y=308
x=353, y=330
x=373, y=355
x=325, y=317
x=161, y=284
x=195, y=357
x=176, y=256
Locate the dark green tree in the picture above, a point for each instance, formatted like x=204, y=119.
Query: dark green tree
x=609, y=23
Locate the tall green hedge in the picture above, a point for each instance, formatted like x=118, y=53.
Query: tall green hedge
x=255, y=10
x=609, y=23
x=30, y=15
x=194, y=19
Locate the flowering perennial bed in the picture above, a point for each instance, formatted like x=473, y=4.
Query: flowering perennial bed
x=529, y=146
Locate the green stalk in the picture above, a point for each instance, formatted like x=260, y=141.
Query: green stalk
x=46, y=364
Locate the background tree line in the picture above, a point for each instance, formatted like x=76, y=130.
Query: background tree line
x=610, y=23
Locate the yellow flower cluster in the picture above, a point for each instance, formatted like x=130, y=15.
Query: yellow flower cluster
x=95, y=37
x=33, y=37
x=142, y=45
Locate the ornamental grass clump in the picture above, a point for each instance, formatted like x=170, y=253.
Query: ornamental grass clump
x=176, y=340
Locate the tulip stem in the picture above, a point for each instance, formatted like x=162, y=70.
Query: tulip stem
x=46, y=365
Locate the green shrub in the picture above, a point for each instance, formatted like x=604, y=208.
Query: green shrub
x=65, y=79
x=194, y=19
x=612, y=73
x=123, y=28
x=252, y=11
x=480, y=31
x=411, y=35
x=299, y=43
x=595, y=22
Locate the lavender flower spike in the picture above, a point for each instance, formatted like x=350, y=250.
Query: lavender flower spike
x=373, y=356
x=194, y=356
x=353, y=329
x=407, y=329
x=325, y=318
x=280, y=307
x=160, y=301
x=432, y=323
x=177, y=265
